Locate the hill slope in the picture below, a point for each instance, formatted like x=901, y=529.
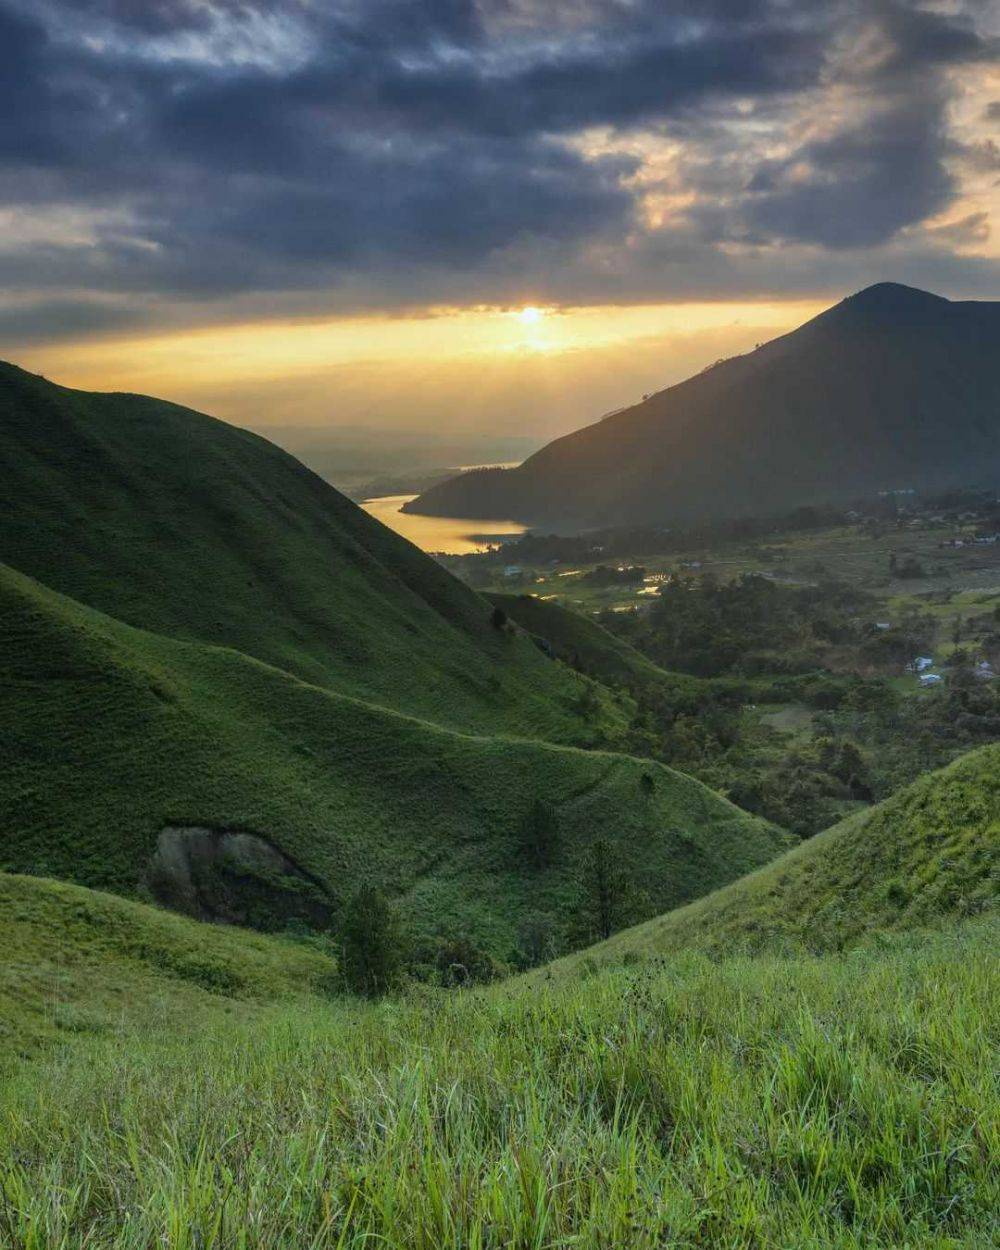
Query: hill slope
x=832, y=1103
x=891, y=389
x=136, y=762
x=584, y=644
x=78, y=963
x=172, y=521
x=930, y=852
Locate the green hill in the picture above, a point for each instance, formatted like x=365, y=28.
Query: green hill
x=929, y=853
x=175, y=522
x=226, y=687
x=893, y=388
x=139, y=763
x=584, y=644
x=78, y=964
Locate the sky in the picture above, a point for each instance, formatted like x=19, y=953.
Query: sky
x=480, y=215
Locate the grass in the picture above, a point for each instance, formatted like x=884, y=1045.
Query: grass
x=79, y=965
x=846, y=1102
x=174, y=522
x=581, y=641
x=202, y=1089
x=929, y=853
x=195, y=630
x=794, y=719
x=806, y=1058
x=111, y=734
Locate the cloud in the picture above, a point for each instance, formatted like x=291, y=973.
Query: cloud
x=380, y=152
x=969, y=230
x=42, y=320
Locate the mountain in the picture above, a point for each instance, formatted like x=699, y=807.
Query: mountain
x=224, y=687
x=892, y=389
x=928, y=854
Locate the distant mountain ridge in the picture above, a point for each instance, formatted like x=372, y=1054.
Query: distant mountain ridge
x=891, y=389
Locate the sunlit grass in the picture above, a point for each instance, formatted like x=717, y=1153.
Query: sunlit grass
x=845, y=1101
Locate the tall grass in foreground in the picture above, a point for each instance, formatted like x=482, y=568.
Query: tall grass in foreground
x=848, y=1101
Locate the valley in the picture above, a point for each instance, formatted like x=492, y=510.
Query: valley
x=591, y=888
x=499, y=625
x=873, y=632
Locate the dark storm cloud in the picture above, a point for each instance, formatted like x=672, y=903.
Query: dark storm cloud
x=861, y=185
x=286, y=146
x=857, y=182
x=44, y=319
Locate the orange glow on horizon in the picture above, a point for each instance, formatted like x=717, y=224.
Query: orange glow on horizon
x=183, y=361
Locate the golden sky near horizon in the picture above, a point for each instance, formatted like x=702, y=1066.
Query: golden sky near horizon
x=577, y=359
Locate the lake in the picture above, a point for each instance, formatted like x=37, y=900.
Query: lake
x=457, y=536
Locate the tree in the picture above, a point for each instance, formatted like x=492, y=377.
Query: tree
x=605, y=893
x=536, y=939
x=587, y=702
x=370, y=944
x=540, y=835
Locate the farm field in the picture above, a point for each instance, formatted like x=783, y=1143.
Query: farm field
x=966, y=577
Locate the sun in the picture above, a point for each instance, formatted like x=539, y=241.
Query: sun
x=530, y=315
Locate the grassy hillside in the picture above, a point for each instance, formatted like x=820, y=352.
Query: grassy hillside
x=583, y=643
x=78, y=964
x=209, y=1091
x=840, y=1103
x=929, y=853
x=110, y=735
x=172, y=521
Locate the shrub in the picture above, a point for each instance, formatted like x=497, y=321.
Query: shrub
x=459, y=961
x=536, y=939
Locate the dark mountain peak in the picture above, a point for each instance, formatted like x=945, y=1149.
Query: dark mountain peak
x=894, y=295
x=888, y=303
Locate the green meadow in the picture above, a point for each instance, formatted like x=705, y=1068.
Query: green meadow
x=219, y=640
x=114, y=734
x=925, y=856
x=847, y=1100
x=807, y=1058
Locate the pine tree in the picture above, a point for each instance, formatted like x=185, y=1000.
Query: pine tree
x=371, y=948
x=606, y=894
